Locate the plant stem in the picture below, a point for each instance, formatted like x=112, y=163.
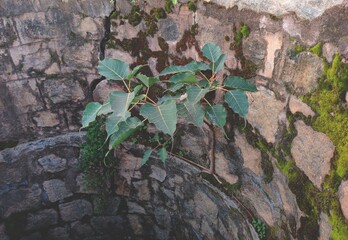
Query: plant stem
x=126, y=85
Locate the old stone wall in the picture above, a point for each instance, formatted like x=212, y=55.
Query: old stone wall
x=285, y=164
x=48, y=54
x=44, y=196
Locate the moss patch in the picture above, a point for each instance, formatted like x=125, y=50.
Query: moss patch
x=317, y=49
x=243, y=32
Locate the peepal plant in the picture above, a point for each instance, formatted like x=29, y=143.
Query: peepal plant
x=184, y=97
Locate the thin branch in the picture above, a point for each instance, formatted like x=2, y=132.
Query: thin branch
x=126, y=85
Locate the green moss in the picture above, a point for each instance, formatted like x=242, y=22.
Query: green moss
x=192, y=6
x=158, y=13
x=243, y=32
x=134, y=18
x=317, y=49
x=168, y=6
x=298, y=48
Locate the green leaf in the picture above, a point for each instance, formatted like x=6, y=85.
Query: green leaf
x=113, y=69
x=239, y=83
x=166, y=98
x=105, y=109
x=212, y=52
x=120, y=102
x=126, y=129
x=217, y=115
x=90, y=113
x=183, y=78
x=138, y=98
x=219, y=65
x=163, y=154
x=134, y=71
x=195, y=94
x=146, y=156
x=191, y=67
x=176, y=87
x=147, y=81
x=113, y=121
x=164, y=116
x=237, y=100
x=191, y=112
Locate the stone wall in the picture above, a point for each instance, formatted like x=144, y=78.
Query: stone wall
x=48, y=54
x=43, y=196
x=281, y=165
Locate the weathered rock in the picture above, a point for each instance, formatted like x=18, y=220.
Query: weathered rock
x=82, y=185
x=33, y=236
x=109, y=207
x=168, y=29
x=296, y=105
x=108, y=224
x=83, y=56
x=63, y=90
x=162, y=216
x=59, y=233
x=81, y=230
x=41, y=219
x=329, y=50
x=20, y=200
x=158, y=173
x=251, y=156
x=265, y=108
x=303, y=72
x=307, y=9
x=46, y=119
x=312, y=152
x=103, y=89
x=254, y=48
x=25, y=95
x=56, y=190
x=75, y=210
x=7, y=32
x=343, y=197
x=3, y=234
x=143, y=191
x=343, y=46
x=223, y=168
x=204, y=206
x=52, y=163
x=133, y=207
x=136, y=224
x=325, y=227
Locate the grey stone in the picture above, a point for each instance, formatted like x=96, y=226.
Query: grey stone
x=264, y=107
x=37, y=62
x=162, y=216
x=325, y=227
x=136, y=224
x=56, y=190
x=168, y=29
x=59, y=233
x=255, y=49
x=133, y=207
x=83, y=56
x=3, y=234
x=63, y=90
x=20, y=200
x=33, y=236
x=143, y=191
x=83, y=187
x=46, y=119
x=124, y=6
x=343, y=197
x=329, y=50
x=158, y=173
x=81, y=230
x=303, y=72
x=41, y=219
x=343, y=46
x=108, y=224
x=204, y=206
x=7, y=32
x=161, y=233
x=75, y=210
x=108, y=206
x=312, y=152
x=52, y=163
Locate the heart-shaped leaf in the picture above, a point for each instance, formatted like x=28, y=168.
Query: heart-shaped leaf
x=191, y=112
x=90, y=113
x=237, y=100
x=126, y=129
x=217, y=115
x=239, y=83
x=113, y=69
x=212, y=52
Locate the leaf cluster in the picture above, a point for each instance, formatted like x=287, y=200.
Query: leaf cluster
x=183, y=97
x=260, y=228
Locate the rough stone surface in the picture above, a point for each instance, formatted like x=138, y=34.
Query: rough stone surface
x=329, y=50
x=143, y=191
x=52, y=163
x=75, y=210
x=46, y=119
x=312, y=152
x=264, y=107
x=42, y=219
x=56, y=190
x=343, y=197
x=325, y=227
x=255, y=48
x=296, y=105
x=303, y=72
x=251, y=156
x=158, y=173
x=3, y=234
x=59, y=233
x=305, y=9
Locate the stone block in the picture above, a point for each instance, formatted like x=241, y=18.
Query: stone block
x=312, y=152
x=46, y=119
x=162, y=216
x=108, y=224
x=3, y=234
x=75, y=210
x=133, y=207
x=296, y=105
x=158, y=173
x=83, y=56
x=52, y=163
x=41, y=219
x=81, y=230
x=63, y=90
x=143, y=191
x=7, y=32
x=19, y=200
x=343, y=198
x=59, y=233
x=56, y=190
x=25, y=95
x=33, y=236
